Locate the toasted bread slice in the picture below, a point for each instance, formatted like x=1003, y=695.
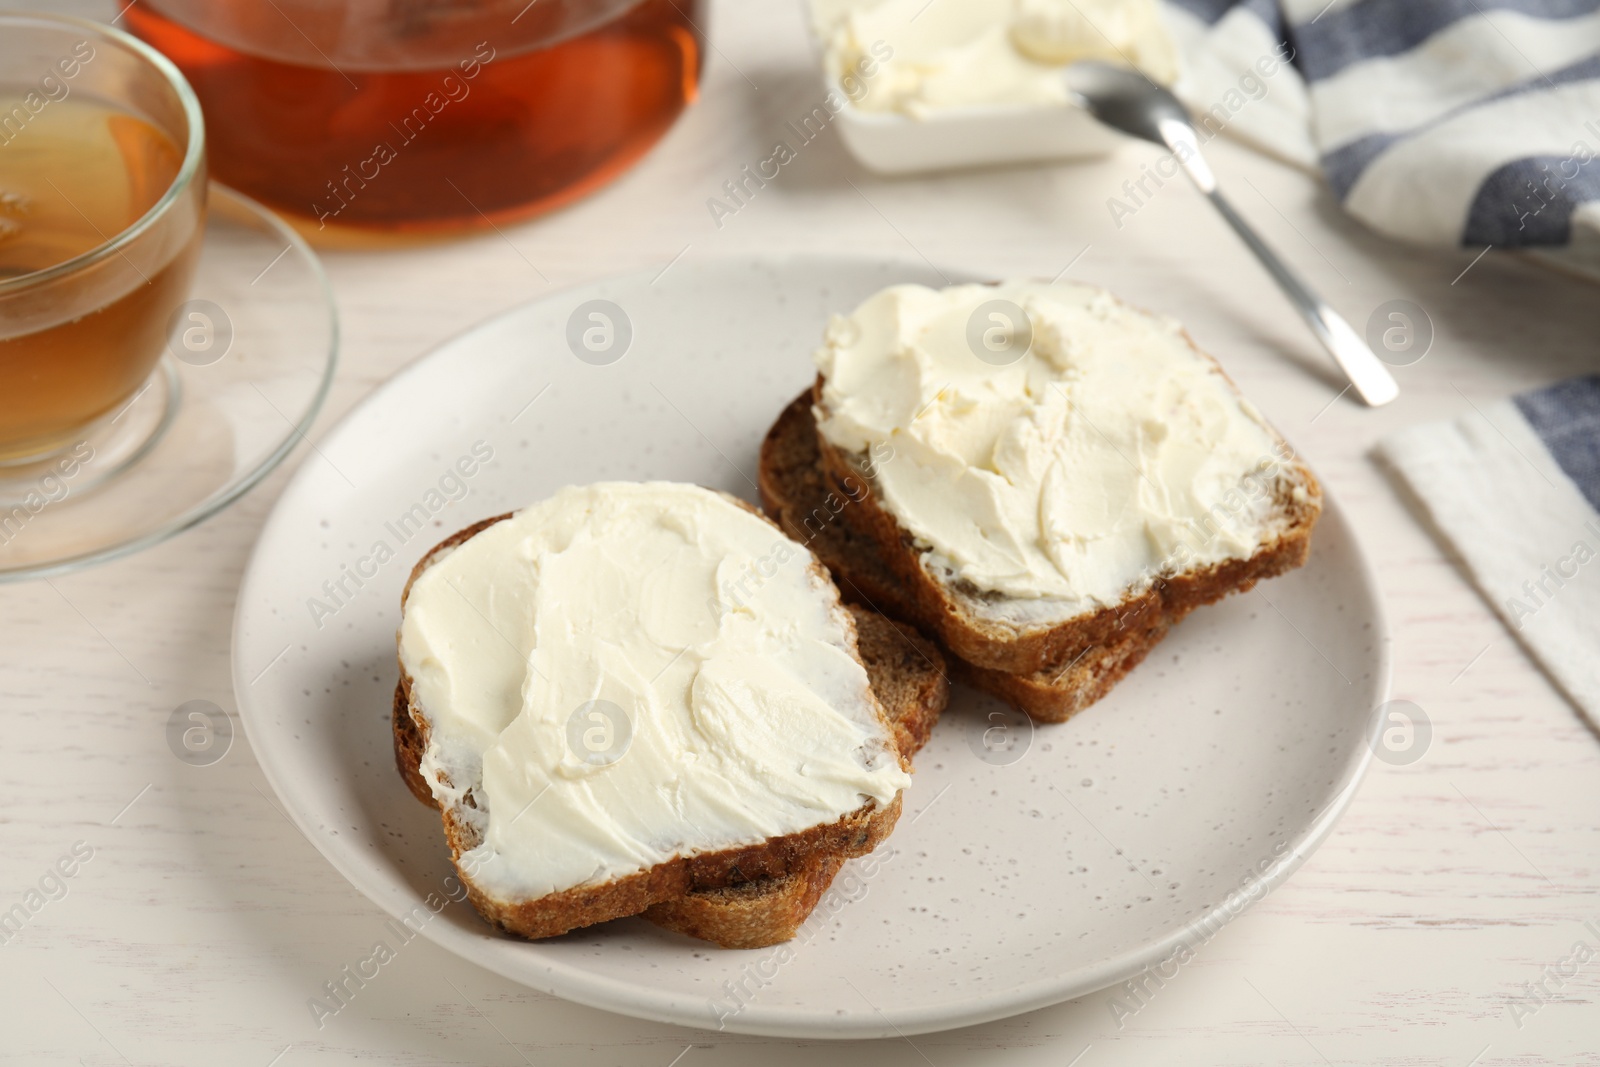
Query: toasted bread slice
x=814, y=510
x=805, y=855
x=907, y=673
x=964, y=620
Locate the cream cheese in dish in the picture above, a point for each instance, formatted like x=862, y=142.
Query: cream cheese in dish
x=743, y=715
x=961, y=53
x=1110, y=454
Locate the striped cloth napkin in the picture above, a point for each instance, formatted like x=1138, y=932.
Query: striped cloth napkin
x=1515, y=488
x=1449, y=123
x=1440, y=122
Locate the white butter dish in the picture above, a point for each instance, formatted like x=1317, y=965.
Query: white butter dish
x=892, y=143
x=916, y=86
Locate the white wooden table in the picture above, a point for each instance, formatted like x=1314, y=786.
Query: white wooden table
x=204, y=921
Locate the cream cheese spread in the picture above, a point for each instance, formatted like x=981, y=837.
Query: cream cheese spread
x=958, y=53
x=636, y=672
x=1047, y=442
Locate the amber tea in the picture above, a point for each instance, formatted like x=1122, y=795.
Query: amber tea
x=74, y=176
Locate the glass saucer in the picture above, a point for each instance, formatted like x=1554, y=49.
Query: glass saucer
x=250, y=358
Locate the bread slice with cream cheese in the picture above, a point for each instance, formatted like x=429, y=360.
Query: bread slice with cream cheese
x=758, y=749
x=908, y=675
x=1050, y=506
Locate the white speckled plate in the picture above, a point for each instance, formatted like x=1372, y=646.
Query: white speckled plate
x=1140, y=826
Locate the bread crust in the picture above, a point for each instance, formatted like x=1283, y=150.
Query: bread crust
x=755, y=914
x=798, y=860
x=1018, y=650
x=908, y=673
x=1057, y=694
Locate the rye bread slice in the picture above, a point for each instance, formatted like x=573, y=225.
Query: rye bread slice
x=800, y=854
x=907, y=674
x=957, y=616
x=810, y=508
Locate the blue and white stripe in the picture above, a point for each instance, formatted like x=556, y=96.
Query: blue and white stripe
x=1445, y=122
x=1514, y=486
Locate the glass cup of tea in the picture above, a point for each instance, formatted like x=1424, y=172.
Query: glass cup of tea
x=102, y=211
x=361, y=118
